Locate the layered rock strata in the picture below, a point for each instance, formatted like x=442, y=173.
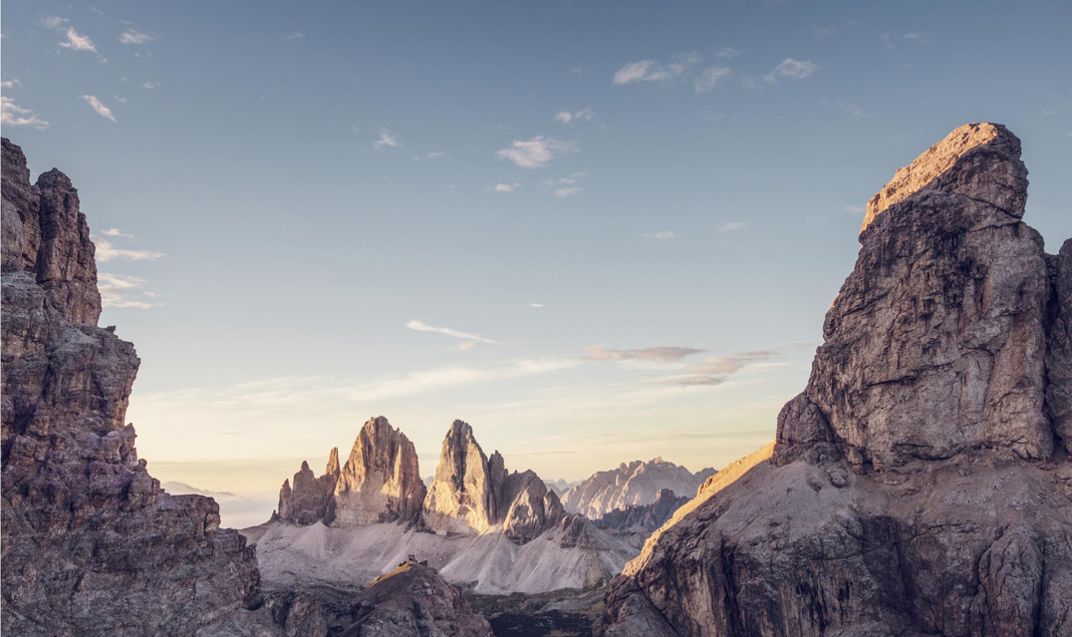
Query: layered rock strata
x=919, y=484
x=91, y=544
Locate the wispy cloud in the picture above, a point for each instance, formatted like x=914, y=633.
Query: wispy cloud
x=121, y=291
x=726, y=53
x=421, y=326
x=116, y=232
x=890, y=40
x=708, y=79
x=274, y=394
x=568, y=117
x=654, y=71
x=566, y=186
x=852, y=109
x=651, y=354
x=11, y=114
x=715, y=370
x=150, y=85
x=536, y=152
x=73, y=39
x=99, y=107
x=386, y=140
x=12, y=83
x=294, y=35
x=106, y=252
x=791, y=69
x=133, y=36
x=664, y=235
x=823, y=32
x=731, y=226
x=438, y=154
x=536, y=305
x=501, y=187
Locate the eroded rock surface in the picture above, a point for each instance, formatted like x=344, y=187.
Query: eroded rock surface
x=631, y=484
x=380, y=482
x=915, y=487
x=91, y=544
x=414, y=601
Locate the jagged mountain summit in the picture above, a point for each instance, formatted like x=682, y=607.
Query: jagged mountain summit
x=380, y=482
x=91, y=544
x=633, y=484
x=478, y=523
x=921, y=483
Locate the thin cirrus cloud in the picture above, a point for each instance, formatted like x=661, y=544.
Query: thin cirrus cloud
x=99, y=107
x=501, y=187
x=715, y=370
x=73, y=39
x=664, y=235
x=708, y=79
x=536, y=152
x=11, y=114
x=125, y=292
x=649, y=354
x=386, y=140
x=116, y=232
x=106, y=252
x=566, y=186
x=568, y=117
x=791, y=69
x=731, y=226
x=654, y=71
x=133, y=37
x=421, y=326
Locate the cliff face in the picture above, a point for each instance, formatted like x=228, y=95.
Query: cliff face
x=380, y=482
x=918, y=484
x=634, y=484
x=472, y=493
x=91, y=545
x=461, y=498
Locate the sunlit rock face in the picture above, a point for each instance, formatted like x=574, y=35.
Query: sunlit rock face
x=461, y=498
x=91, y=545
x=472, y=493
x=631, y=484
x=380, y=482
x=918, y=485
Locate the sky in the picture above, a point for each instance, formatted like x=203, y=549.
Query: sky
x=597, y=231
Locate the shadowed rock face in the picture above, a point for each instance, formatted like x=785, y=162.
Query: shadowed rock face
x=91, y=545
x=414, y=601
x=915, y=486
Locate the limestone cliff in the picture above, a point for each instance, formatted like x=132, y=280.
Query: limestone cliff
x=91, y=544
x=915, y=486
x=380, y=482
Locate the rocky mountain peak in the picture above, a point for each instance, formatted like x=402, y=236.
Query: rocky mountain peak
x=632, y=484
x=332, y=468
x=915, y=486
x=472, y=493
x=948, y=299
x=980, y=161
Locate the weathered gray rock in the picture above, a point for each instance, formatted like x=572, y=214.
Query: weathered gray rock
x=914, y=487
x=461, y=498
x=414, y=601
x=472, y=493
x=631, y=484
x=1059, y=347
x=642, y=518
x=91, y=545
x=311, y=499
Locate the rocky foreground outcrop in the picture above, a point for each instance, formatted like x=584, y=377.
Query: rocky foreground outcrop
x=414, y=601
x=921, y=483
x=631, y=484
x=91, y=544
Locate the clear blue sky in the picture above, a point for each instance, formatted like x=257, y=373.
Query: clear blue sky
x=311, y=189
